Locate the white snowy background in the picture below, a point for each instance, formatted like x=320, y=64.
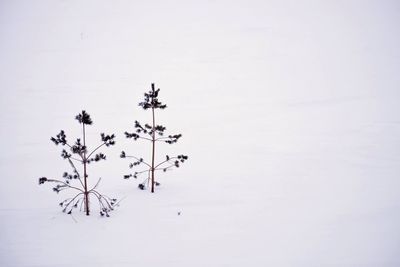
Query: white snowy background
x=289, y=112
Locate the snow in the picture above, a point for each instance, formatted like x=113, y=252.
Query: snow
x=289, y=114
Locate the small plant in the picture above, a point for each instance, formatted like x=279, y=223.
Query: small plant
x=79, y=153
x=152, y=133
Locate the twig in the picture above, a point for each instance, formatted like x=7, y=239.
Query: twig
x=96, y=184
x=88, y=157
x=69, y=203
x=65, y=184
x=141, y=137
x=76, y=171
x=165, y=161
x=138, y=159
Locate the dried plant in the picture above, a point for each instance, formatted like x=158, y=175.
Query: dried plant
x=78, y=152
x=153, y=133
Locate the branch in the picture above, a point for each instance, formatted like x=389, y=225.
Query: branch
x=166, y=168
x=165, y=161
x=66, y=206
x=106, y=203
x=138, y=159
x=104, y=196
x=143, y=171
x=76, y=171
x=94, y=187
x=145, y=138
x=95, y=150
x=63, y=183
x=68, y=145
x=76, y=159
x=161, y=138
x=142, y=185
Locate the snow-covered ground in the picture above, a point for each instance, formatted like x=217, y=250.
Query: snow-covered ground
x=289, y=112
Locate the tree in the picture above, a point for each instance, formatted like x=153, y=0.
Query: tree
x=80, y=153
x=152, y=133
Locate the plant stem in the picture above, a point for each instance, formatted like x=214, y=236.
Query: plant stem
x=153, y=142
x=84, y=172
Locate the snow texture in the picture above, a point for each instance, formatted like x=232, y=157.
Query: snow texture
x=289, y=112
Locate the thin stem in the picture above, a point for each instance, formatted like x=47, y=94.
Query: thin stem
x=165, y=161
x=76, y=171
x=65, y=184
x=145, y=138
x=98, y=196
x=66, y=206
x=153, y=142
x=148, y=177
x=96, y=149
x=163, y=138
x=96, y=184
x=84, y=172
x=68, y=145
x=102, y=197
x=160, y=138
x=75, y=159
x=166, y=168
x=138, y=159
x=143, y=171
x=82, y=204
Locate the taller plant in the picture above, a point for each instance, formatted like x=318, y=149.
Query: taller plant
x=83, y=156
x=153, y=133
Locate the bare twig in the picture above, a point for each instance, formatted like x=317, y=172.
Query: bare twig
x=76, y=171
x=145, y=138
x=88, y=157
x=165, y=161
x=138, y=159
x=65, y=184
x=67, y=205
x=96, y=184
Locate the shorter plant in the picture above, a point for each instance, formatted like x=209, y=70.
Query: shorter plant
x=79, y=153
x=152, y=133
